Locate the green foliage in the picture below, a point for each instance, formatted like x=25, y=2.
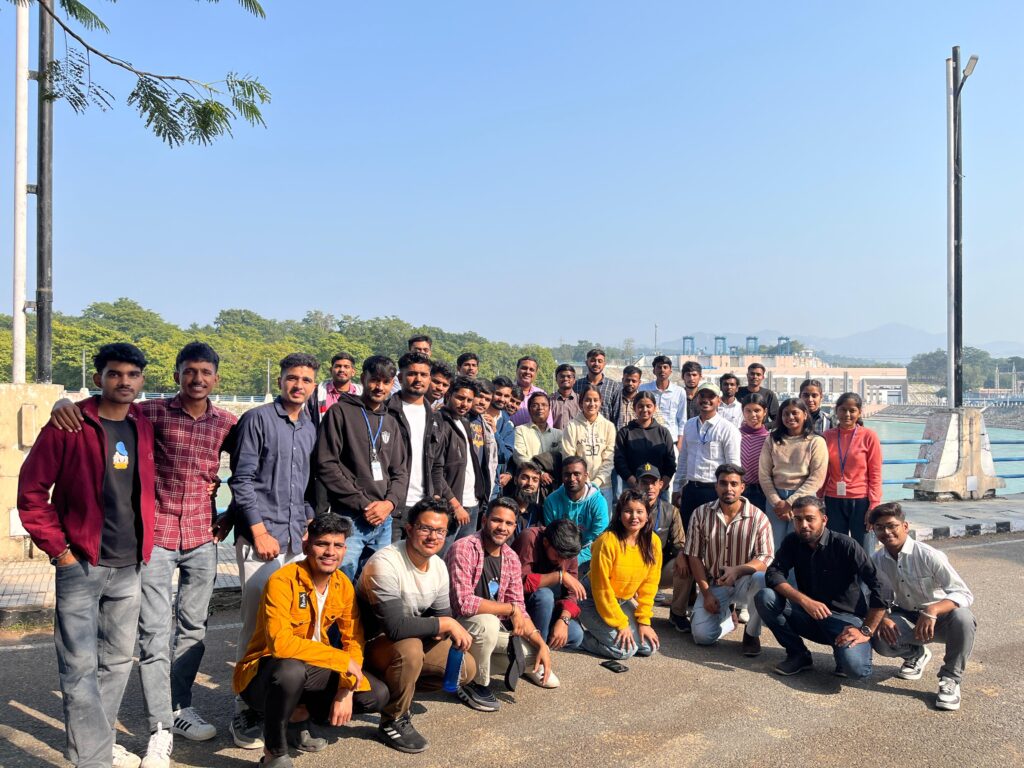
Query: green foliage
x=978, y=366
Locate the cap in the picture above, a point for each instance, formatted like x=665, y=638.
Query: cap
x=712, y=388
x=647, y=470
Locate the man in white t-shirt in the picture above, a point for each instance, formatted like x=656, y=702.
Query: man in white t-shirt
x=404, y=600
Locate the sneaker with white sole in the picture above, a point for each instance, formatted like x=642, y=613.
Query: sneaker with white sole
x=537, y=678
x=247, y=729
x=913, y=668
x=948, y=697
x=158, y=753
x=743, y=614
x=478, y=697
x=192, y=725
x=122, y=758
x=401, y=735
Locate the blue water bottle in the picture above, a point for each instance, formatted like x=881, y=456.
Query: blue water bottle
x=453, y=670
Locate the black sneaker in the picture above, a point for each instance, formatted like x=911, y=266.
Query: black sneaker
x=793, y=665
x=681, y=623
x=516, y=662
x=299, y=737
x=478, y=697
x=401, y=735
x=751, y=645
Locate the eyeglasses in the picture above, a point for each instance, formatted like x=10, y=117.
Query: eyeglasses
x=890, y=528
x=427, y=532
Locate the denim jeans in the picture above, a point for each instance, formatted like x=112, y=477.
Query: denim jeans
x=599, y=637
x=95, y=626
x=956, y=629
x=780, y=528
x=790, y=624
x=709, y=628
x=462, y=531
x=364, y=540
x=171, y=634
x=253, y=575
x=541, y=607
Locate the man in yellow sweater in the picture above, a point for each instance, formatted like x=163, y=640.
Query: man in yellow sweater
x=290, y=670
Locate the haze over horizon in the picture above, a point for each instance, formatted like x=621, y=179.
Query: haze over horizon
x=538, y=172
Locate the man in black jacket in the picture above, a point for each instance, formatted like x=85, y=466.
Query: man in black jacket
x=459, y=476
x=362, y=463
x=420, y=429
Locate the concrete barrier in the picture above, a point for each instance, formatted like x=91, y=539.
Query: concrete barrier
x=960, y=463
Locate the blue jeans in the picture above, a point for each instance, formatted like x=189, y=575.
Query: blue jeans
x=709, y=628
x=599, y=637
x=171, y=634
x=462, y=531
x=94, y=631
x=541, y=607
x=790, y=624
x=364, y=540
x=780, y=528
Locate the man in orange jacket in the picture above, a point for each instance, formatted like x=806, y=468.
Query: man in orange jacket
x=291, y=671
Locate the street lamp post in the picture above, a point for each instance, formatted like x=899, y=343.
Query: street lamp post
x=954, y=227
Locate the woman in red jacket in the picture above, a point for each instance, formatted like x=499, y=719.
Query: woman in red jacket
x=853, y=485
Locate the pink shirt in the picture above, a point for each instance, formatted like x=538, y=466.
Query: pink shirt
x=862, y=464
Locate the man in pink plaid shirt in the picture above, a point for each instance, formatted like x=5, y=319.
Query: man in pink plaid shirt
x=487, y=591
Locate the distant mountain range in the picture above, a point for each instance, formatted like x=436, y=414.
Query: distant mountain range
x=892, y=342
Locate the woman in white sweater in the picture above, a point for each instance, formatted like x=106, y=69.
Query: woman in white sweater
x=592, y=437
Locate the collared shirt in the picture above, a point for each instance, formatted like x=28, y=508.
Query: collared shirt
x=671, y=401
x=528, y=441
x=331, y=394
x=921, y=576
x=522, y=414
x=822, y=421
x=187, y=454
x=563, y=409
x=720, y=544
x=270, y=471
x=732, y=412
x=611, y=395
x=831, y=573
x=706, y=445
x=465, y=561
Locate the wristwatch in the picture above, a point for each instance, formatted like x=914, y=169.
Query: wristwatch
x=866, y=630
x=565, y=619
x=53, y=560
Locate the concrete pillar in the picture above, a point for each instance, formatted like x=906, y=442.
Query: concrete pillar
x=960, y=462
x=24, y=409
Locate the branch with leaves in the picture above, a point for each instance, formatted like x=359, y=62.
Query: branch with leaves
x=176, y=108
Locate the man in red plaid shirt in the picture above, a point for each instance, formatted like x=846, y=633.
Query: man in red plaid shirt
x=486, y=590
x=190, y=433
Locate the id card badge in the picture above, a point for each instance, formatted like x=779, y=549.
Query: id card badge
x=840, y=488
x=378, y=472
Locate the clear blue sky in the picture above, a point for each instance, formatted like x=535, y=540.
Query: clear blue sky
x=539, y=170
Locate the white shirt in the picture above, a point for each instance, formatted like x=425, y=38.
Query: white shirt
x=732, y=412
x=922, y=576
x=469, y=489
x=670, y=401
x=416, y=415
x=320, y=600
x=706, y=446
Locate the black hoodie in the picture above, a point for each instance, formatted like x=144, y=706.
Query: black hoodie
x=342, y=457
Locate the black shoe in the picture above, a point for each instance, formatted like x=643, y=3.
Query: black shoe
x=516, y=662
x=478, y=697
x=793, y=665
x=401, y=735
x=299, y=737
x=751, y=645
x=681, y=623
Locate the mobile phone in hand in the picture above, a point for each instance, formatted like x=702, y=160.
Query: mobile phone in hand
x=614, y=666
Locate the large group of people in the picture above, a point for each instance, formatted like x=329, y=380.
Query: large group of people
x=399, y=532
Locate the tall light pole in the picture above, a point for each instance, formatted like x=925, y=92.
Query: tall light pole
x=954, y=227
x=20, y=192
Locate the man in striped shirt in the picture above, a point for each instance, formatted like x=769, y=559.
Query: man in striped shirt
x=729, y=545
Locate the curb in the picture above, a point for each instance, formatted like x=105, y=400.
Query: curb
x=968, y=529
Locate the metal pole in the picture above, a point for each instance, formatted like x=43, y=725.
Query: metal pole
x=20, y=192
x=44, y=205
x=83, y=369
x=951, y=394
x=958, y=246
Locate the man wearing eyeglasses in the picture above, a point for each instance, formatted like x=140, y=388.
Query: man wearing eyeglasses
x=932, y=604
x=407, y=615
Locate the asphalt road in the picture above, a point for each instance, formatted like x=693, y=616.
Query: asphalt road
x=685, y=706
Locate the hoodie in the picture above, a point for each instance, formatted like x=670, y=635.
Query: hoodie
x=636, y=445
x=590, y=513
x=342, y=457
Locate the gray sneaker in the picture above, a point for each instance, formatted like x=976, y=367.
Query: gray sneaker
x=948, y=697
x=478, y=697
x=913, y=667
x=247, y=729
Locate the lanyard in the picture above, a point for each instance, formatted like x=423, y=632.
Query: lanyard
x=705, y=436
x=839, y=447
x=373, y=438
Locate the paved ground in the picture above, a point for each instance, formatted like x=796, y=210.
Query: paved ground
x=686, y=706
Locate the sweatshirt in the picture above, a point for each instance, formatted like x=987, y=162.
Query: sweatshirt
x=862, y=455
x=618, y=572
x=796, y=464
x=594, y=443
x=590, y=513
x=636, y=445
x=751, y=443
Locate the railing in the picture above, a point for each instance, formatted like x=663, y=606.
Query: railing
x=1014, y=476
x=909, y=480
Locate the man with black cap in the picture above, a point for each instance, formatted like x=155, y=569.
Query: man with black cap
x=705, y=442
x=668, y=526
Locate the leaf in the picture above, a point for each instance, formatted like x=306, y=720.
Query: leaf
x=80, y=13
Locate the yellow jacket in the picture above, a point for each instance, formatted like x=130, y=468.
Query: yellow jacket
x=618, y=572
x=285, y=623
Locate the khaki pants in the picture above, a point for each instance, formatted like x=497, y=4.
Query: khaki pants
x=411, y=663
x=490, y=636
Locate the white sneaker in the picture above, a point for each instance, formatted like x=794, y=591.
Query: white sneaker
x=948, y=697
x=191, y=725
x=913, y=668
x=537, y=678
x=158, y=753
x=743, y=614
x=122, y=758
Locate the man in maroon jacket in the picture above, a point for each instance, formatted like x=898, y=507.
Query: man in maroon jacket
x=97, y=530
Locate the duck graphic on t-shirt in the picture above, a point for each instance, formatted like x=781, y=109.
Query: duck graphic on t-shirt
x=120, y=456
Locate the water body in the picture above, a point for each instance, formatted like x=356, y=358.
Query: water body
x=913, y=430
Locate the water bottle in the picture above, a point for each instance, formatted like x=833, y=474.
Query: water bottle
x=453, y=670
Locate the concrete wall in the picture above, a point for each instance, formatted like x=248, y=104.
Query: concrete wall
x=24, y=409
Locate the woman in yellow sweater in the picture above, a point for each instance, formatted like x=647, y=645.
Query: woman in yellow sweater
x=624, y=572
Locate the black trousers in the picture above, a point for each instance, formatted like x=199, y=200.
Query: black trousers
x=280, y=685
x=695, y=494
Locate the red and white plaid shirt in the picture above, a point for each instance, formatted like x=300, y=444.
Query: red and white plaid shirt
x=465, y=561
x=187, y=454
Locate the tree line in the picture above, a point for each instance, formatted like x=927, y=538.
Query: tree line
x=978, y=365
